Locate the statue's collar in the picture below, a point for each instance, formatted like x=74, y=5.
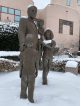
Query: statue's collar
x=30, y=19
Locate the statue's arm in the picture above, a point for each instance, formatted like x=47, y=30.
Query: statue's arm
x=21, y=33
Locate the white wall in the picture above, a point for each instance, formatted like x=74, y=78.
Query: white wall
x=56, y=12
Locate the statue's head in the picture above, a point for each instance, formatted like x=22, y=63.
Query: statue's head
x=48, y=34
x=40, y=22
x=32, y=11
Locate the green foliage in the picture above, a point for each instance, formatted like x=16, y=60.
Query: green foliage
x=9, y=37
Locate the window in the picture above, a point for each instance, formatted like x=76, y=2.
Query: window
x=17, y=12
x=65, y=27
x=68, y=2
x=17, y=18
x=11, y=11
x=4, y=9
x=17, y=15
x=78, y=1
x=14, y=12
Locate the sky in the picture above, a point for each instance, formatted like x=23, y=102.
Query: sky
x=41, y=3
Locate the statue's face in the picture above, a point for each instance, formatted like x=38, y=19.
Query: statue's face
x=48, y=33
x=32, y=11
x=40, y=22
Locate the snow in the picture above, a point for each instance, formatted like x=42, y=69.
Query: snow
x=62, y=90
x=24, y=17
x=9, y=53
x=11, y=24
x=10, y=61
x=65, y=58
x=8, y=27
x=29, y=6
x=47, y=41
x=72, y=64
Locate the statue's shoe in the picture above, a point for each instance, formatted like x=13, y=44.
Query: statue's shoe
x=23, y=96
x=31, y=100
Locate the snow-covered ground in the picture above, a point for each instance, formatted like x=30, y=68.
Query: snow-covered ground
x=61, y=58
x=63, y=89
x=9, y=53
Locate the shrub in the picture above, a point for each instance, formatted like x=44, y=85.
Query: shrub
x=9, y=37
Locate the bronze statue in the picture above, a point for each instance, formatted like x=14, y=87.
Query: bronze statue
x=30, y=68
x=40, y=25
x=48, y=51
x=27, y=26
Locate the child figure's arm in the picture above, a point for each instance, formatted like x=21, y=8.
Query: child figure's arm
x=54, y=48
x=46, y=43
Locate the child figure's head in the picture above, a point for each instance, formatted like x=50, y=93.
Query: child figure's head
x=29, y=41
x=48, y=34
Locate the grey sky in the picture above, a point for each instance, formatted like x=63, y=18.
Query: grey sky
x=41, y=3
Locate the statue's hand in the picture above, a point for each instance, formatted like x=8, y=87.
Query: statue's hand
x=57, y=48
x=36, y=73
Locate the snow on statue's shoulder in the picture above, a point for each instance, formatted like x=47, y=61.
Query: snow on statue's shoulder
x=24, y=17
x=72, y=64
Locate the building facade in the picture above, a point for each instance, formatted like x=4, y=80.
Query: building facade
x=12, y=10
x=63, y=18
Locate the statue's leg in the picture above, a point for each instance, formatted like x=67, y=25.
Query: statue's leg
x=23, y=87
x=40, y=57
x=48, y=66
x=45, y=70
x=21, y=64
x=31, y=84
x=40, y=62
x=21, y=68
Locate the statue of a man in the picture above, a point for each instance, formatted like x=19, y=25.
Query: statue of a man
x=30, y=69
x=27, y=26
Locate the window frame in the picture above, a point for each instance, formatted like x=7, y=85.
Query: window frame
x=15, y=18
x=78, y=2
x=4, y=11
x=13, y=10
x=14, y=14
x=17, y=15
x=68, y=2
x=17, y=10
x=65, y=22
